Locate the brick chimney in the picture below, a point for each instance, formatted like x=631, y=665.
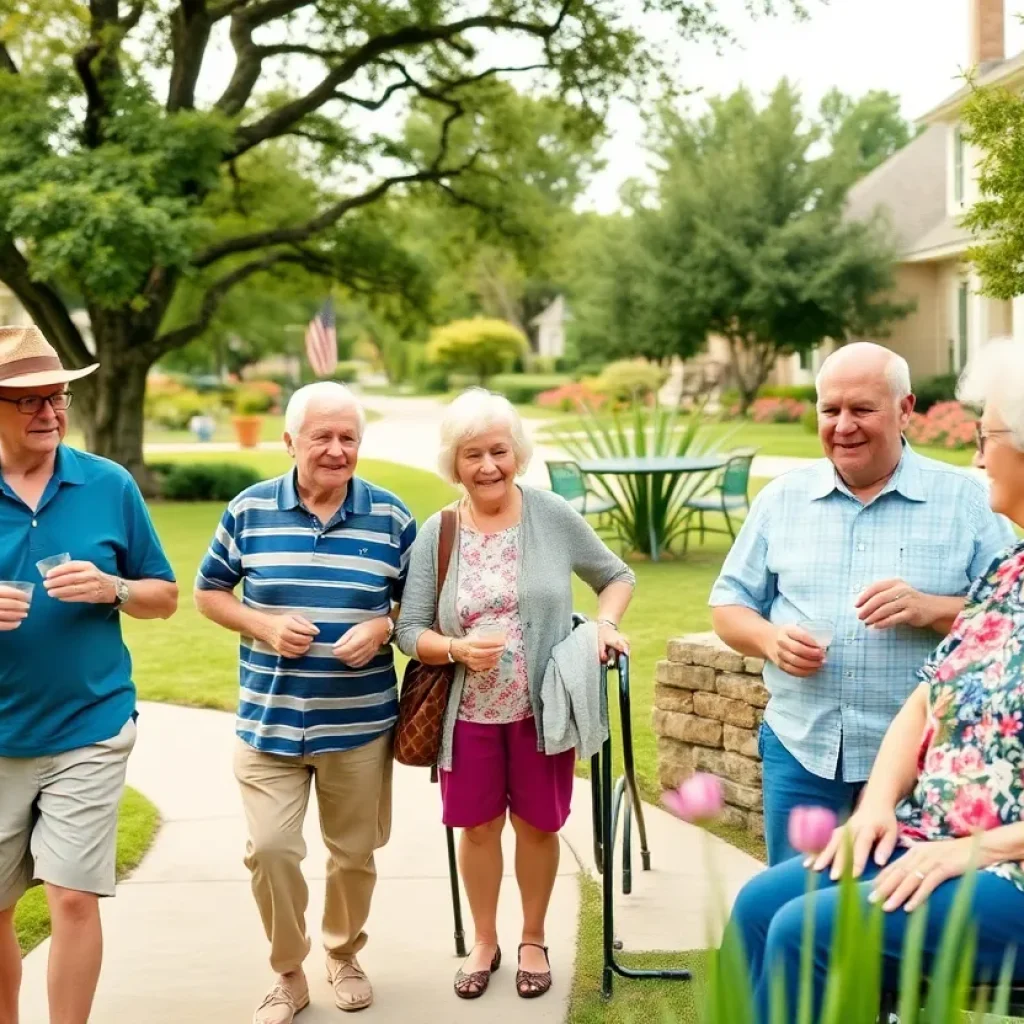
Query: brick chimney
x=988, y=36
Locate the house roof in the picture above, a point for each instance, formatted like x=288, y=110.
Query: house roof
x=908, y=190
x=1007, y=73
x=947, y=238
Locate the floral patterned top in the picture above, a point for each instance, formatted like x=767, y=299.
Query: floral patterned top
x=971, y=759
x=488, y=595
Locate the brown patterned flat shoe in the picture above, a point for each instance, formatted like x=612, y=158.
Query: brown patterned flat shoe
x=531, y=984
x=473, y=986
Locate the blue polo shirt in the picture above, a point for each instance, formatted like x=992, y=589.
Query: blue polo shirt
x=65, y=673
x=336, y=575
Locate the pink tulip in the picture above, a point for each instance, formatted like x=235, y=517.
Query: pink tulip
x=699, y=798
x=811, y=828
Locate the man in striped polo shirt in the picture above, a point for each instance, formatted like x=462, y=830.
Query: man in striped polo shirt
x=322, y=558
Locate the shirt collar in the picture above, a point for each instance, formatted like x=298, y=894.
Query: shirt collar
x=67, y=469
x=358, y=501
x=906, y=481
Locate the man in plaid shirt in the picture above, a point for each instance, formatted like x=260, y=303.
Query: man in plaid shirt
x=879, y=542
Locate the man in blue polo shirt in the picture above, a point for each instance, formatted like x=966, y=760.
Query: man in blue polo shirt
x=67, y=703
x=322, y=558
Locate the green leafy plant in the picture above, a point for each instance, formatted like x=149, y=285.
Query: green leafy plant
x=481, y=346
x=204, y=481
x=649, y=509
x=629, y=380
x=252, y=401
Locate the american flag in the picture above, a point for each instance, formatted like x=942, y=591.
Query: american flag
x=322, y=341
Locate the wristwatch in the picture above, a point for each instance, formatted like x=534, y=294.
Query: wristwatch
x=121, y=592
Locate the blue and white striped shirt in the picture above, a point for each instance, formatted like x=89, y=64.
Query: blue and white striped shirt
x=336, y=575
x=806, y=551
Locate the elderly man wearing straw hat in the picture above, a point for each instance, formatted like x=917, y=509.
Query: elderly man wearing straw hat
x=77, y=549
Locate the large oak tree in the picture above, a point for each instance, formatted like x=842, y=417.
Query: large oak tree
x=122, y=122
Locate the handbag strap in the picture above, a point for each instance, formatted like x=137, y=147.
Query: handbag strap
x=445, y=543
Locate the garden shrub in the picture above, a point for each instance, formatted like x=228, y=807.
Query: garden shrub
x=203, y=481
x=777, y=410
x=945, y=425
x=172, y=409
x=933, y=390
x=798, y=392
x=627, y=380
x=570, y=398
x=253, y=401
x=523, y=388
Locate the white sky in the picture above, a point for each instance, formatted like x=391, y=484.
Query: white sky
x=915, y=48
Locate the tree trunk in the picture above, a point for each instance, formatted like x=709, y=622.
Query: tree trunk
x=112, y=400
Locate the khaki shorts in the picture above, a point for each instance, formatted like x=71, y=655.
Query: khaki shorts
x=58, y=818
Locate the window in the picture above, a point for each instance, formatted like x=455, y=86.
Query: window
x=807, y=359
x=962, y=297
x=958, y=165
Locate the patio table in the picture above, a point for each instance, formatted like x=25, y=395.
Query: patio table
x=646, y=471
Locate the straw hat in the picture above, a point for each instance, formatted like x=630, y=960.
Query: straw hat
x=28, y=360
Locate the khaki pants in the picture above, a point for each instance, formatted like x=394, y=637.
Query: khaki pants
x=353, y=789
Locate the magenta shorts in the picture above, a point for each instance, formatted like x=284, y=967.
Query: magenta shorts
x=496, y=768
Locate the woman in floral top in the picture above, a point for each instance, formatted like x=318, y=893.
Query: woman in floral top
x=947, y=787
x=506, y=603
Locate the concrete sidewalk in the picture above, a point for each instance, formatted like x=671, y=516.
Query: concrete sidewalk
x=184, y=942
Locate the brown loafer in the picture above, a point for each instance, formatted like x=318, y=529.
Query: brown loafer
x=352, y=989
x=473, y=986
x=533, y=984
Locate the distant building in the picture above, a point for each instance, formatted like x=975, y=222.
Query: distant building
x=923, y=192
x=551, y=329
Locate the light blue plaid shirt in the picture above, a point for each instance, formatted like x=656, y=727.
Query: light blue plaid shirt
x=808, y=548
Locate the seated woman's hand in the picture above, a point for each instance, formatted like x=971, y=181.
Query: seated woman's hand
x=479, y=653
x=867, y=828
x=909, y=881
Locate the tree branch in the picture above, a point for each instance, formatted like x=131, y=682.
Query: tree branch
x=330, y=216
x=191, y=24
x=133, y=17
x=214, y=296
x=279, y=121
x=7, y=61
x=44, y=305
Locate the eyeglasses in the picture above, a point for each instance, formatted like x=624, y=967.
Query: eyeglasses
x=29, y=405
x=981, y=436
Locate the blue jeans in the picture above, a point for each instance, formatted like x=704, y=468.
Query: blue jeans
x=769, y=914
x=788, y=784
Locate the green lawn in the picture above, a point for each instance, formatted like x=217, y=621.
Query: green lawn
x=136, y=828
x=633, y=1002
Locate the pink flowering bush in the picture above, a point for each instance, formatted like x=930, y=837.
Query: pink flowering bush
x=569, y=398
x=945, y=425
x=777, y=410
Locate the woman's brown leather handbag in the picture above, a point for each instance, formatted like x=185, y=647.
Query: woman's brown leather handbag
x=425, y=688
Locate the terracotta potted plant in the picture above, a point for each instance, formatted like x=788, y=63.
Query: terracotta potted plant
x=247, y=420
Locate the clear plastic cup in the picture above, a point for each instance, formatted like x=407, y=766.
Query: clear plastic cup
x=19, y=585
x=496, y=629
x=44, y=565
x=822, y=631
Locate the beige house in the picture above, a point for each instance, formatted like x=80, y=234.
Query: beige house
x=923, y=192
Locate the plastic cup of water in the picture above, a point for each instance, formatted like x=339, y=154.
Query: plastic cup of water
x=821, y=630
x=21, y=587
x=44, y=565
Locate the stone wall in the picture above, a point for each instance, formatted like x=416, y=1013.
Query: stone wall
x=708, y=703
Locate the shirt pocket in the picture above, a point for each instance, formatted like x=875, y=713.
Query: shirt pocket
x=934, y=568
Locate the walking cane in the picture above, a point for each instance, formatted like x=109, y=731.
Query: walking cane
x=453, y=877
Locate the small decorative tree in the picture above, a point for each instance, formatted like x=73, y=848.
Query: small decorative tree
x=481, y=346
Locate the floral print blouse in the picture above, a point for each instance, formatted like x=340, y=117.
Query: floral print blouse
x=971, y=759
x=488, y=595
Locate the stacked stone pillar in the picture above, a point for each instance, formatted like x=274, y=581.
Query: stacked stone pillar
x=708, y=704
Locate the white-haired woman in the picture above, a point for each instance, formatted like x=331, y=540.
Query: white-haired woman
x=506, y=603
x=947, y=785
